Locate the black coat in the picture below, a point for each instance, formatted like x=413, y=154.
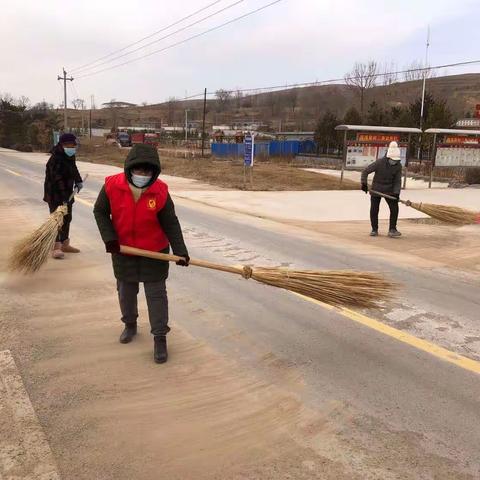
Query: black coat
x=387, y=178
x=129, y=268
x=61, y=175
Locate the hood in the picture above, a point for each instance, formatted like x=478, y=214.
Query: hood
x=142, y=154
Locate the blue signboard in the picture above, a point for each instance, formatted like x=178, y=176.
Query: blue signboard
x=249, y=150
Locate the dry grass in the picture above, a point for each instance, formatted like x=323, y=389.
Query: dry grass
x=267, y=176
x=30, y=253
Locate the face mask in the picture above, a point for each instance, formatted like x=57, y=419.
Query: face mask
x=140, y=181
x=69, y=151
x=392, y=162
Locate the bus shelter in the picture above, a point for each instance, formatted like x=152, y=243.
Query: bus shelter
x=454, y=148
x=371, y=143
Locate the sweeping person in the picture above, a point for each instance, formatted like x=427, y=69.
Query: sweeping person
x=388, y=180
x=61, y=179
x=135, y=209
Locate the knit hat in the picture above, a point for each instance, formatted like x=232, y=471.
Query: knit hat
x=67, y=138
x=393, y=151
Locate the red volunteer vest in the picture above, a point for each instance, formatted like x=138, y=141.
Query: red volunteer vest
x=136, y=223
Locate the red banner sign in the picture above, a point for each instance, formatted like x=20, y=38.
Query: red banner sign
x=370, y=137
x=461, y=140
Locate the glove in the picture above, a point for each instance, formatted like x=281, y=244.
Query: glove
x=184, y=261
x=365, y=187
x=78, y=187
x=112, y=246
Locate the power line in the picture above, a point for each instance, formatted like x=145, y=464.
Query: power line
x=218, y=27
x=165, y=36
x=336, y=80
x=81, y=67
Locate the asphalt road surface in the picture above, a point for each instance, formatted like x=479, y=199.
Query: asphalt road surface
x=350, y=401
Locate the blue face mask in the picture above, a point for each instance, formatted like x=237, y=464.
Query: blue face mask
x=69, y=151
x=140, y=181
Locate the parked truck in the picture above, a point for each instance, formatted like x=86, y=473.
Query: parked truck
x=148, y=138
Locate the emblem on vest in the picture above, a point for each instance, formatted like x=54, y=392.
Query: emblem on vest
x=152, y=204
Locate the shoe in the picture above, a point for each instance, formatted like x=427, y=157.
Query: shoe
x=394, y=233
x=128, y=333
x=67, y=248
x=160, y=354
x=374, y=233
x=57, y=251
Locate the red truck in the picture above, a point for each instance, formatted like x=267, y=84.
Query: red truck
x=148, y=138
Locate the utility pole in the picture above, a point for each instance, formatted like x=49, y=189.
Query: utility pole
x=422, y=108
x=186, y=127
x=64, y=78
x=203, y=122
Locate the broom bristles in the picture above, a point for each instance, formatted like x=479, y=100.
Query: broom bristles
x=338, y=288
x=31, y=252
x=448, y=214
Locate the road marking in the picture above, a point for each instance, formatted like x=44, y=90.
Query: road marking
x=418, y=343
x=14, y=173
x=24, y=450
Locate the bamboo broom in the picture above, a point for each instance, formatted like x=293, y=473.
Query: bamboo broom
x=443, y=213
x=336, y=287
x=31, y=252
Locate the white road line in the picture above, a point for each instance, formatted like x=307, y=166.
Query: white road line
x=24, y=450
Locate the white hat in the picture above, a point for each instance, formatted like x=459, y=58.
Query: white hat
x=393, y=151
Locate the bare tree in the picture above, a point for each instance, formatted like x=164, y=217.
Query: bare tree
x=292, y=99
x=270, y=101
x=172, y=105
x=78, y=103
x=144, y=104
x=362, y=77
x=388, y=73
x=223, y=99
x=416, y=70
x=24, y=102
x=238, y=98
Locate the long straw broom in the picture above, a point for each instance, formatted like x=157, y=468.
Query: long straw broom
x=31, y=252
x=336, y=287
x=443, y=213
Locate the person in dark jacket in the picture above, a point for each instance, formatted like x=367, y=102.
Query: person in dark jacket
x=135, y=209
x=61, y=179
x=388, y=180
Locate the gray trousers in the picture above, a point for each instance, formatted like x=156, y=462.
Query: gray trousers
x=157, y=303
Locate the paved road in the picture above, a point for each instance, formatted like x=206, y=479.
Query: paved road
x=397, y=409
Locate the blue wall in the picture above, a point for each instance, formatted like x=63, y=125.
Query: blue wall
x=277, y=148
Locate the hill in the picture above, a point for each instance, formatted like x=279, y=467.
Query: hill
x=290, y=109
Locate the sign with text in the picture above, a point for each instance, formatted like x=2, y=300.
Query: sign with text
x=370, y=137
x=249, y=144
x=461, y=139
x=360, y=155
x=457, y=156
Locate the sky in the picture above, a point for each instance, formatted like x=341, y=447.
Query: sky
x=290, y=42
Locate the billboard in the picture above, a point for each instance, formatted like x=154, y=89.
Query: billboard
x=459, y=156
x=360, y=155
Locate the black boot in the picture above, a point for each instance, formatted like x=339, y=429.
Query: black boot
x=128, y=333
x=160, y=354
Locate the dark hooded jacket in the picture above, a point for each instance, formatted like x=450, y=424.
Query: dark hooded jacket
x=129, y=268
x=61, y=175
x=387, y=178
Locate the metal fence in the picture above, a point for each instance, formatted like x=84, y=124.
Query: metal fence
x=273, y=148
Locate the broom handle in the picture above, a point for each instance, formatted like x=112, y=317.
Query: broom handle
x=174, y=258
x=384, y=195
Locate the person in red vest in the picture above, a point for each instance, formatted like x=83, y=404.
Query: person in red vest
x=135, y=209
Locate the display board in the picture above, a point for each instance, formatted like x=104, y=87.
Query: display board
x=457, y=156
